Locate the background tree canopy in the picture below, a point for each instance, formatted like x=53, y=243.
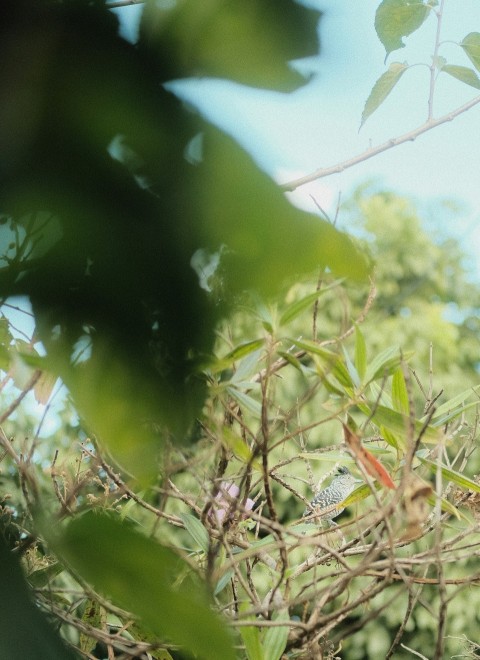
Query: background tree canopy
x=212, y=337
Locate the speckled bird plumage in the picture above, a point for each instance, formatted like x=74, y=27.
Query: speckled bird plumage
x=322, y=505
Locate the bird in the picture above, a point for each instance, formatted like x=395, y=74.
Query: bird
x=324, y=505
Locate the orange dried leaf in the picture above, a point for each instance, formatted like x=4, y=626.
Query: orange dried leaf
x=372, y=465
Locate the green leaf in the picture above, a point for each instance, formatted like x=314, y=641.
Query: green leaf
x=251, y=638
x=95, y=616
x=451, y=475
x=398, y=423
x=399, y=392
x=223, y=581
x=382, y=89
x=454, y=402
x=360, y=353
x=43, y=576
x=239, y=447
x=393, y=439
x=291, y=359
x=138, y=574
x=352, y=372
x=463, y=73
x=243, y=349
x=275, y=639
x=196, y=530
x=384, y=363
x=24, y=630
x=359, y=494
x=246, y=401
x=395, y=19
x=471, y=46
x=297, y=307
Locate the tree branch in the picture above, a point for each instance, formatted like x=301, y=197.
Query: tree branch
x=373, y=151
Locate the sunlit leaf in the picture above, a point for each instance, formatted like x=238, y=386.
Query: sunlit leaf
x=471, y=46
x=138, y=574
x=236, y=354
x=395, y=19
x=382, y=89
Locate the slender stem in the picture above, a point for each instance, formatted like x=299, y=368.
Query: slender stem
x=373, y=151
x=433, y=66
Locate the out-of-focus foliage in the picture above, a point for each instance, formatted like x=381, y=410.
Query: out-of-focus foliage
x=119, y=210
x=103, y=210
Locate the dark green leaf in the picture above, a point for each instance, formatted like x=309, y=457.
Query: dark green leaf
x=395, y=19
x=382, y=89
x=139, y=574
x=24, y=631
x=471, y=46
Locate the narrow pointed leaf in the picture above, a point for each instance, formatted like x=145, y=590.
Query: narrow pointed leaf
x=246, y=401
x=196, y=530
x=451, y=475
x=395, y=19
x=399, y=423
x=455, y=402
x=382, y=89
x=399, y=392
x=137, y=574
x=251, y=638
x=371, y=464
x=297, y=307
x=463, y=73
x=471, y=46
x=276, y=637
x=360, y=353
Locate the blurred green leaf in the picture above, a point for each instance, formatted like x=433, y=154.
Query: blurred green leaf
x=398, y=423
x=24, y=630
x=196, y=530
x=275, y=638
x=386, y=363
x=352, y=372
x=42, y=576
x=471, y=46
x=246, y=401
x=251, y=638
x=382, y=89
x=93, y=615
x=400, y=393
x=139, y=575
x=455, y=402
x=360, y=353
x=236, y=354
x=451, y=475
x=463, y=73
x=395, y=19
x=249, y=42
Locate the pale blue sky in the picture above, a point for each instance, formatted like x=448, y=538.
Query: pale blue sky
x=317, y=126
